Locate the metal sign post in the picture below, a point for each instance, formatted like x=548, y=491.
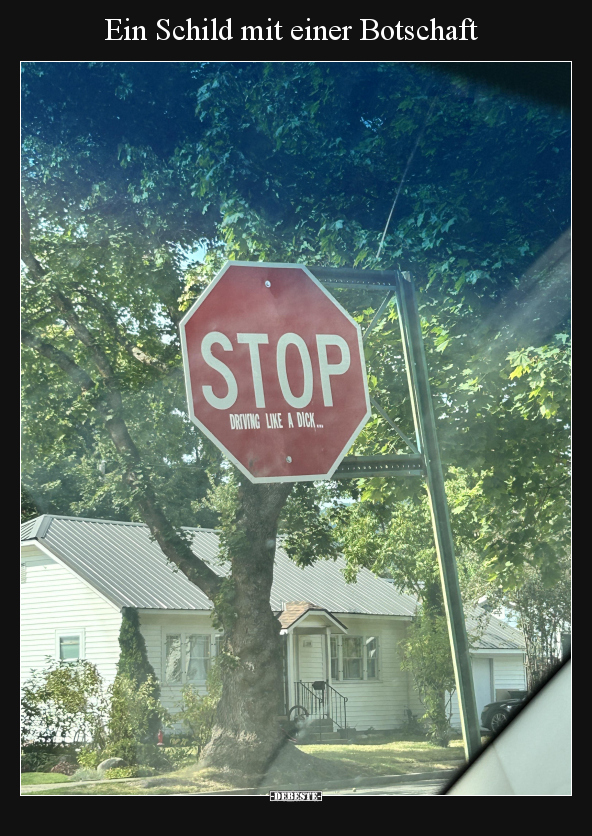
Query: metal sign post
x=426, y=461
x=423, y=414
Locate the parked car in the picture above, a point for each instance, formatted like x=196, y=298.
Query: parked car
x=496, y=714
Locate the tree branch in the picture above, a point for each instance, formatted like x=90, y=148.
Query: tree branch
x=27, y=256
x=129, y=347
x=109, y=406
x=60, y=358
x=67, y=308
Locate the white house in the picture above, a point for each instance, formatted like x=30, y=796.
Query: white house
x=340, y=639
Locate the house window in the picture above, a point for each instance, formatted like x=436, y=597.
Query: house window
x=188, y=656
x=173, y=667
x=372, y=658
x=197, y=655
x=70, y=646
x=218, y=645
x=354, y=658
x=334, y=658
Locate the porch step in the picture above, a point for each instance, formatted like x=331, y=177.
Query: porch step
x=324, y=737
x=318, y=725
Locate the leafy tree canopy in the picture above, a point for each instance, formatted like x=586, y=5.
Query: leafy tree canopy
x=128, y=166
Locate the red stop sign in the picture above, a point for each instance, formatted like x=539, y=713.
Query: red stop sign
x=275, y=372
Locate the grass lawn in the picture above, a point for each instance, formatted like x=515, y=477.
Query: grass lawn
x=188, y=780
x=28, y=778
x=397, y=757
x=378, y=756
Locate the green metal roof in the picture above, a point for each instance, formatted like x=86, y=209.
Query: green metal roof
x=123, y=563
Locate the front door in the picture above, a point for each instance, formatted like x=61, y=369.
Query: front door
x=311, y=658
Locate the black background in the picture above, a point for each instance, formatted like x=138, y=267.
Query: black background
x=501, y=36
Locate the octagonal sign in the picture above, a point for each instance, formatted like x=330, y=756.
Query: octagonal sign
x=275, y=373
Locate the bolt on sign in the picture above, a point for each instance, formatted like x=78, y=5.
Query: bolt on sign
x=275, y=372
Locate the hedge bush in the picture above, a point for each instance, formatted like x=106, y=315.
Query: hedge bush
x=41, y=757
x=136, y=754
x=135, y=712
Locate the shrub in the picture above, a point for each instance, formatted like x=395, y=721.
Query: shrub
x=136, y=712
x=42, y=757
x=36, y=759
x=412, y=724
x=133, y=660
x=63, y=767
x=178, y=756
x=123, y=772
x=198, y=712
x=178, y=739
x=65, y=700
x=127, y=750
x=136, y=754
x=89, y=758
x=426, y=654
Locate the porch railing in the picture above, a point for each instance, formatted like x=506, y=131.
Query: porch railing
x=322, y=703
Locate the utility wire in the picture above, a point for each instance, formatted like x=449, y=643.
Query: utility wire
x=409, y=161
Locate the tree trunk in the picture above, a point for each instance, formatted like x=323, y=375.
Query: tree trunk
x=247, y=736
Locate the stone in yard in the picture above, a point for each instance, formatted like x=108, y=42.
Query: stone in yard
x=111, y=763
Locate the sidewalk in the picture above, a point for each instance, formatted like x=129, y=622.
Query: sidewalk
x=372, y=781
